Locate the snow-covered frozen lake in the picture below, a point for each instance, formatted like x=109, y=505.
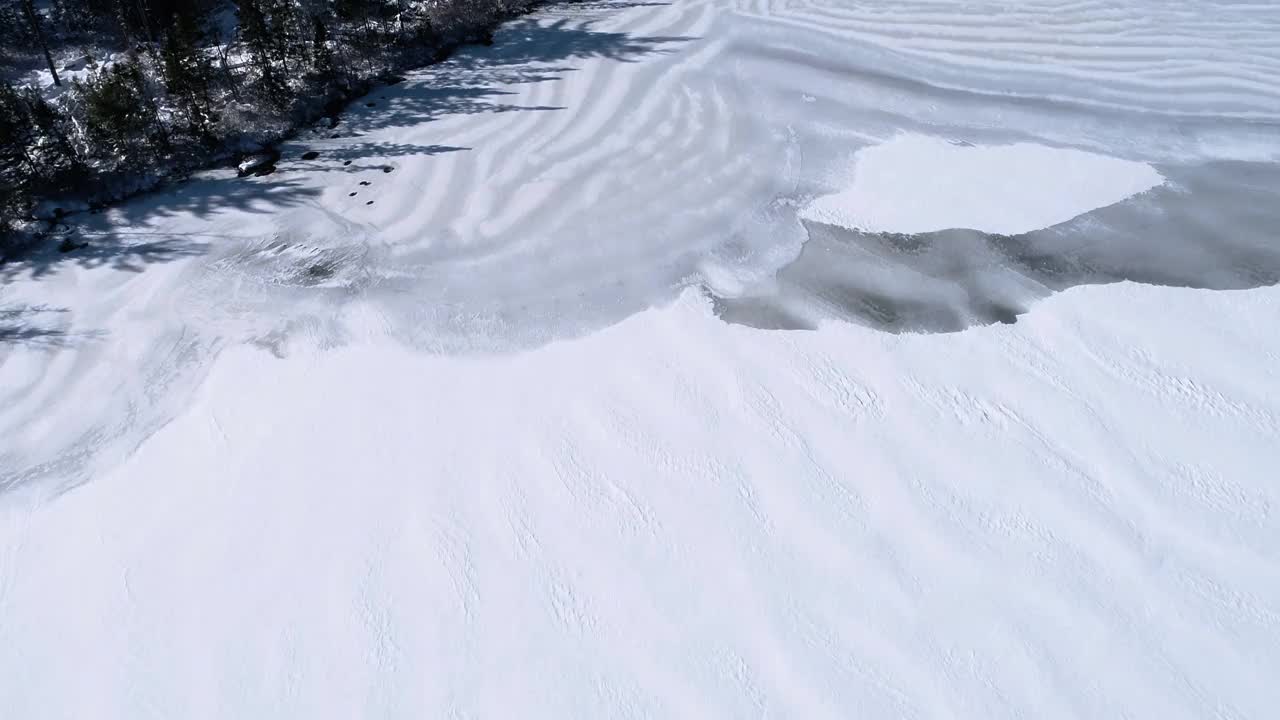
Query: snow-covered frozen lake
x=734, y=359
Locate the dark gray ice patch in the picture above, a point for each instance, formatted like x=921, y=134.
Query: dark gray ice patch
x=1213, y=227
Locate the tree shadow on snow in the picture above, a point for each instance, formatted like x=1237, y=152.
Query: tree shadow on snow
x=589, y=5
x=348, y=157
x=131, y=236
x=38, y=326
x=115, y=249
x=478, y=78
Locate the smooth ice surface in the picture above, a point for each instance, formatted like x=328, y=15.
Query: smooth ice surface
x=918, y=184
x=511, y=441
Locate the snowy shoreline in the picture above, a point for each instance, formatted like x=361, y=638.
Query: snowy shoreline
x=44, y=199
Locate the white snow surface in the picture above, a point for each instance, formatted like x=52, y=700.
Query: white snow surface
x=484, y=449
x=917, y=184
x=676, y=517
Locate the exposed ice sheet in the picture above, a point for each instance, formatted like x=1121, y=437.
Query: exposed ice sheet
x=917, y=184
x=1210, y=226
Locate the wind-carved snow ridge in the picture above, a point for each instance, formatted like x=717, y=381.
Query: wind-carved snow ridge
x=441, y=422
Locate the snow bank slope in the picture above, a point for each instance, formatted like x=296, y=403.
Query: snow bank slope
x=1069, y=517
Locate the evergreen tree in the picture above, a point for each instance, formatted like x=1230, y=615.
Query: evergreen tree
x=52, y=128
x=321, y=55
x=16, y=161
x=16, y=164
x=188, y=73
x=35, y=149
x=33, y=18
x=256, y=31
x=14, y=29
x=120, y=113
x=282, y=18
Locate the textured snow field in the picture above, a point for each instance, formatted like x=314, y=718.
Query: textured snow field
x=503, y=444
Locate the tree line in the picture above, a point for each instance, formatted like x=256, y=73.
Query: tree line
x=136, y=88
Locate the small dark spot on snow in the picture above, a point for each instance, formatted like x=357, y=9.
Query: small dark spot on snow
x=351, y=194
x=321, y=271
x=335, y=135
x=387, y=169
x=364, y=182
x=310, y=155
x=346, y=163
x=369, y=202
